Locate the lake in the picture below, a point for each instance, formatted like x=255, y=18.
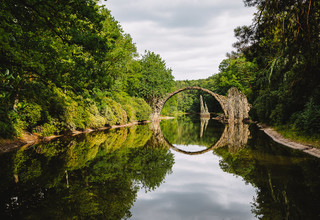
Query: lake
x=183, y=168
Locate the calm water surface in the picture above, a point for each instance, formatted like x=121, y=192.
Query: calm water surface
x=185, y=168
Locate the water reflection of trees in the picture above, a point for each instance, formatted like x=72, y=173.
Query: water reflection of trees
x=287, y=182
x=92, y=176
x=186, y=130
x=105, y=170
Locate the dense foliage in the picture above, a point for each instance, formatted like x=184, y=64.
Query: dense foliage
x=68, y=65
x=283, y=41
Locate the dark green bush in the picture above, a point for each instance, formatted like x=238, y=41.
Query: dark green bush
x=54, y=110
x=6, y=129
x=308, y=120
x=113, y=112
x=47, y=129
x=143, y=110
x=30, y=113
x=127, y=104
x=131, y=113
x=136, y=108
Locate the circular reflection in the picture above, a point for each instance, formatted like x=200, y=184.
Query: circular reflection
x=234, y=135
x=188, y=129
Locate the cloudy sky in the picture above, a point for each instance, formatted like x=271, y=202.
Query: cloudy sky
x=192, y=36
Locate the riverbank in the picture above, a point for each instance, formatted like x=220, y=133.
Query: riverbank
x=277, y=137
x=28, y=139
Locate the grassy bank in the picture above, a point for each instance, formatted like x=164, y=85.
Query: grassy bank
x=297, y=136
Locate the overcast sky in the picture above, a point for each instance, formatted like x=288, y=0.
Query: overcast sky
x=192, y=36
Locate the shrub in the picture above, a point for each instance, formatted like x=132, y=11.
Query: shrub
x=263, y=106
x=113, y=112
x=47, y=129
x=69, y=109
x=6, y=130
x=53, y=110
x=107, y=113
x=143, y=110
x=308, y=120
x=95, y=119
x=30, y=113
x=131, y=113
x=19, y=126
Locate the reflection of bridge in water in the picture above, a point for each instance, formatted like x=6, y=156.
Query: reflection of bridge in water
x=235, y=136
x=204, y=121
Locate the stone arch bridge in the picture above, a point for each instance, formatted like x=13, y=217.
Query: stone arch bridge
x=235, y=106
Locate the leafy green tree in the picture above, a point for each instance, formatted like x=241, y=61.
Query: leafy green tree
x=235, y=72
x=156, y=79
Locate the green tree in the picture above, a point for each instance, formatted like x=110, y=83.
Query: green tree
x=235, y=72
x=156, y=79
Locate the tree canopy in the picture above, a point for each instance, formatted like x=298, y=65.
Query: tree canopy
x=284, y=42
x=156, y=79
x=63, y=63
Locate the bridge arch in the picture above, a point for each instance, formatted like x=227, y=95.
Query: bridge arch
x=235, y=106
x=221, y=99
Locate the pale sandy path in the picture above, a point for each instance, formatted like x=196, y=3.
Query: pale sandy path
x=280, y=139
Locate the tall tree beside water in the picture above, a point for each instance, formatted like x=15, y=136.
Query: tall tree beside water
x=156, y=79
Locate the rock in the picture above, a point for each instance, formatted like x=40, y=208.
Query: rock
x=237, y=106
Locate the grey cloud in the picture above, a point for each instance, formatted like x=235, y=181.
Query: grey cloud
x=195, y=205
x=174, y=13
x=192, y=36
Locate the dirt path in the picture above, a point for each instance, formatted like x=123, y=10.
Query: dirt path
x=284, y=141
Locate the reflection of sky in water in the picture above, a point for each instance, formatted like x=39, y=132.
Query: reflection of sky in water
x=197, y=189
x=190, y=148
